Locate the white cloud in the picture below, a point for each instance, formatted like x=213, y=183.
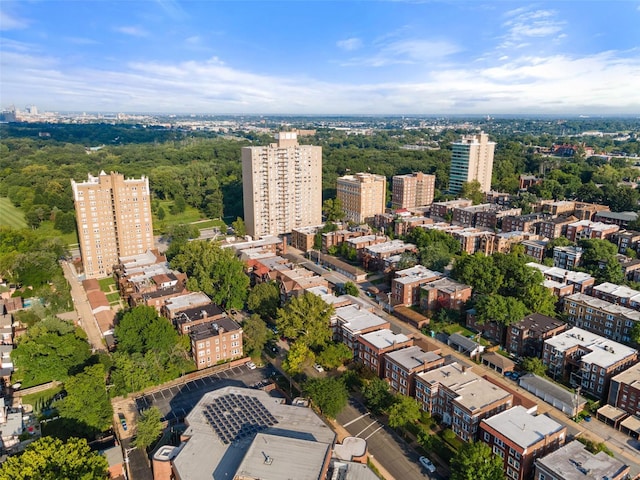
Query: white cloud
x=602, y=83
x=134, y=31
x=523, y=26
x=408, y=51
x=10, y=22
x=350, y=44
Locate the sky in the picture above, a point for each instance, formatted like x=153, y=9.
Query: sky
x=424, y=57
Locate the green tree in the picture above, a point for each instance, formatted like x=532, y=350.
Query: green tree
x=239, y=227
x=264, y=299
x=49, y=458
x=635, y=333
x=149, y=428
x=479, y=271
x=405, y=410
x=255, y=334
x=334, y=355
x=332, y=209
x=87, y=402
x=330, y=395
x=376, y=395
x=49, y=351
x=298, y=354
x=141, y=329
x=476, y=461
x=161, y=214
x=504, y=310
x=179, y=205
x=350, y=288
x=214, y=270
x=65, y=222
x=534, y=365
x=306, y=319
x=473, y=191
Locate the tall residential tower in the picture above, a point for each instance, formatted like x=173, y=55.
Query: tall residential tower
x=362, y=196
x=413, y=190
x=471, y=159
x=114, y=220
x=282, y=186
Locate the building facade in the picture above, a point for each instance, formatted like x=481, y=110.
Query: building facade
x=413, y=190
x=114, y=220
x=471, y=159
x=624, y=391
x=215, y=342
x=282, y=186
x=362, y=196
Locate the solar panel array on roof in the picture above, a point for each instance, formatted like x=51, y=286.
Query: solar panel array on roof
x=234, y=417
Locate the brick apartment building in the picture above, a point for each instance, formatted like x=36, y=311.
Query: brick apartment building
x=523, y=223
x=401, y=367
x=215, y=342
x=444, y=293
x=405, y=287
x=460, y=398
x=373, y=346
x=585, y=229
x=586, y=360
x=624, y=391
x=519, y=437
x=567, y=257
x=526, y=337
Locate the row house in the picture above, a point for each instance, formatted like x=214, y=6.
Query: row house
x=487, y=215
x=526, y=337
x=567, y=257
x=557, y=289
x=624, y=391
x=401, y=367
x=580, y=281
x=303, y=238
x=265, y=268
x=586, y=229
x=600, y=317
x=374, y=256
x=586, y=360
x=185, y=320
x=216, y=342
x=460, y=398
x=622, y=219
x=351, y=321
x=503, y=242
x=535, y=249
x=374, y=346
x=444, y=210
x=626, y=239
x=295, y=281
x=473, y=240
x=575, y=462
x=444, y=293
x=405, y=287
x=523, y=223
x=556, y=227
x=519, y=437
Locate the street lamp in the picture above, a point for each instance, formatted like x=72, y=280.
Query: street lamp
x=127, y=474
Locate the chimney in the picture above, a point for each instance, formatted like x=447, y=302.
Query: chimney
x=464, y=369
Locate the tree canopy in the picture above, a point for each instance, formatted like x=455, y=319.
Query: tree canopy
x=148, y=428
x=330, y=395
x=476, y=461
x=215, y=271
x=405, y=410
x=264, y=299
x=306, y=319
x=49, y=458
x=255, y=334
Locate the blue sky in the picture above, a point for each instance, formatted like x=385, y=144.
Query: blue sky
x=322, y=57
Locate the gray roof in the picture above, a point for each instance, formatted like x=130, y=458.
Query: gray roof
x=549, y=389
x=463, y=341
x=624, y=216
x=412, y=357
x=522, y=428
x=574, y=462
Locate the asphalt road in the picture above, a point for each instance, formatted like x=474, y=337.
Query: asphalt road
x=392, y=452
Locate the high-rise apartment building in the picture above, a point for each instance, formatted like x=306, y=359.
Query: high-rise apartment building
x=282, y=186
x=471, y=159
x=414, y=190
x=114, y=220
x=362, y=196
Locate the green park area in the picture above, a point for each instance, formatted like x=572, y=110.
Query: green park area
x=11, y=215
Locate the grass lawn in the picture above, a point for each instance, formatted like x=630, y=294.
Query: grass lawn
x=105, y=284
x=41, y=399
x=189, y=215
x=212, y=223
x=113, y=297
x=10, y=215
x=46, y=230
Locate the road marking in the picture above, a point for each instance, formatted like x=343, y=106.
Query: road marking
x=373, y=433
x=355, y=420
x=366, y=428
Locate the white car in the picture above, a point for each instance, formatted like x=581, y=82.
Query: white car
x=251, y=365
x=426, y=463
x=318, y=368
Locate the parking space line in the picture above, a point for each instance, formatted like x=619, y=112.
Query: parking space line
x=373, y=433
x=355, y=420
x=366, y=428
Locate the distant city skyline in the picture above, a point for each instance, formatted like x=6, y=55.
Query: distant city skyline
x=315, y=58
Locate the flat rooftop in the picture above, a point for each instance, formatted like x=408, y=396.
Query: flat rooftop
x=186, y=301
x=391, y=246
x=574, y=462
x=631, y=376
x=357, y=319
x=412, y=357
x=384, y=338
x=521, y=427
x=473, y=392
x=605, y=306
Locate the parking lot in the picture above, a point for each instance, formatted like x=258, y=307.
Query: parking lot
x=177, y=401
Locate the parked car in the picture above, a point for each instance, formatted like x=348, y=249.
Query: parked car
x=123, y=421
x=428, y=464
x=318, y=368
x=251, y=365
